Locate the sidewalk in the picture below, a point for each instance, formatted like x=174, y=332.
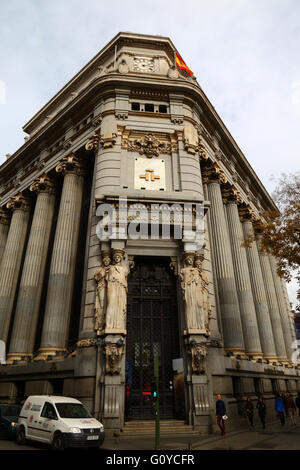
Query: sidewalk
x=274, y=437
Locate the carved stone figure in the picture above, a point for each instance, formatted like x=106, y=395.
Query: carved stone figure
x=116, y=293
x=101, y=293
x=190, y=281
x=113, y=356
x=198, y=354
x=203, y=292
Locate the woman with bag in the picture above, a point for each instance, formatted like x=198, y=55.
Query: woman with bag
x=221, y=414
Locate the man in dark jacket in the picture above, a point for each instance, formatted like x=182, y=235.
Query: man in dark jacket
x=220, y=412
x=261, y=408
x=249, y=410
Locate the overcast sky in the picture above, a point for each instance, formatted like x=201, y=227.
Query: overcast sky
x=244, y=53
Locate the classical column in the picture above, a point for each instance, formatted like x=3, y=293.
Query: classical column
x=62, y=268
x=30, y=290
x=258, y=289
x=229, y=304
x=242, y=277
x=283, y=310
x=272, y=302
x=12, y=258
x=4, y=228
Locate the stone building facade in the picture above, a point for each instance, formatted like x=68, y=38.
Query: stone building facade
x=83, y=315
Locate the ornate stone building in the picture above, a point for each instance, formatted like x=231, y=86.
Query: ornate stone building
x=80, y=315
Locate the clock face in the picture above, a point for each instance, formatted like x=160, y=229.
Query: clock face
x=143, y=64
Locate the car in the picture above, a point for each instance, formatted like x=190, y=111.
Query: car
x=9, y=420
x=62, y=422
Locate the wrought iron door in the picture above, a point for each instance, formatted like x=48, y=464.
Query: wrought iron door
x=152, y=329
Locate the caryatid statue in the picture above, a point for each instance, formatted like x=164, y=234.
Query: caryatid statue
x=101, y=292
x=116, y=294
x=190, y=279
x=204, y=293
x=194, y=284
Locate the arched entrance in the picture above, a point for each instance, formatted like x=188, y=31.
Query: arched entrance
x=152, y=329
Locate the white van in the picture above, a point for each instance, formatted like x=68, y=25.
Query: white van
x=60, y=421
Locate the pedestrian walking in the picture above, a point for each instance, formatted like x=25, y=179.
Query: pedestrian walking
x=290, y=408
x=279, y=407
x=249, y=410
x=221, y=414
x=261, y=408
x=298, y=402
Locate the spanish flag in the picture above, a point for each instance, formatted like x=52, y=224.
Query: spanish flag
x=182, y=65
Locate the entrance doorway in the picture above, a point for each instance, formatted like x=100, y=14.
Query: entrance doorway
x=152, y=329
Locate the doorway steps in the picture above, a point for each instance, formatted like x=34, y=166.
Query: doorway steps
x=167, y=427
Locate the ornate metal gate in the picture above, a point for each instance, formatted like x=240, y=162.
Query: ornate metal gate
x=152, y=329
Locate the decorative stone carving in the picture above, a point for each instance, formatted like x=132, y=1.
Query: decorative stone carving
x=213, y=173
x=108, y=140
x=93, y=141
x=113, y=356
x=116, y=294
x=71, y=164
x=173, y=72
x=86, y=343
x=192, y=294
x=123, y=67
x=101, y=293
x=246, y=213
x=174, y=265
x=43, y=184
x=19, y=201
x=231, y=194
x=96, y=121
x=198, y=353
x=67, y=144
x=121, y=115
x=149, y=145
x=204, y=292
x=4, y=216
x=190, y=139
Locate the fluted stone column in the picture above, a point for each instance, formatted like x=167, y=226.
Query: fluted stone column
x=242, y=277
x=62, y=269
x=30, y=290
x=289, y=310
x=4, y=228
x=258, y=289
x=228, y=298
x=12, y=258
x=283, y=310
x=272, y=302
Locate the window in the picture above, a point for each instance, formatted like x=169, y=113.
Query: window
x=135, y=106
x=149, y=107
x=48, y=411
x=162, y=108
x=72, y=410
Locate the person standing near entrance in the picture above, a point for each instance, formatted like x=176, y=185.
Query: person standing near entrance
x=290, y=408
x=279, y=407
x=261, y=408
x=249, y=411
x=220, y=414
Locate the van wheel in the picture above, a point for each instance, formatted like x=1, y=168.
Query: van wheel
x=58, y=442
x=21, y=436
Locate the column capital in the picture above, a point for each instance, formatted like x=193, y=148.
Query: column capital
x=94, y=140
x=43, y=184
x=4, y=216
x=19, y=201
x=71, y=164
x=246, y=213
x=212, y=173
x=230, y=194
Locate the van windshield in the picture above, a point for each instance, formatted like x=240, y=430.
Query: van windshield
x=72, y=410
